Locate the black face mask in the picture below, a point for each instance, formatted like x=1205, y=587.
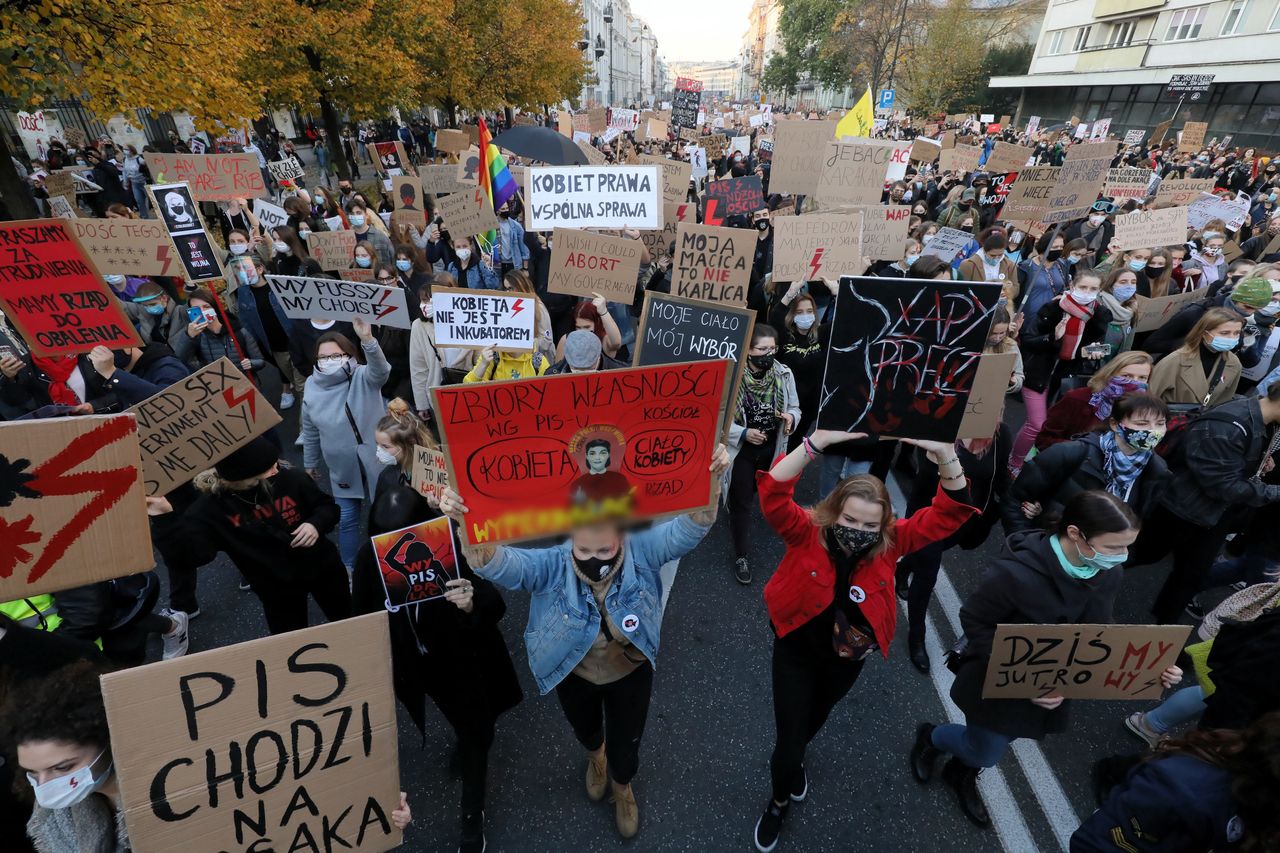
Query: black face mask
x=857, y=541
x=762, y=225
x=1052, y=255
x=761, y=363
x=595, y=567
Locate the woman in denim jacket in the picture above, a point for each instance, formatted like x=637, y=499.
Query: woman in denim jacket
x=594, y=626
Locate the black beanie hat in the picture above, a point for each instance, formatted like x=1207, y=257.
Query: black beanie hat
x=252, y=460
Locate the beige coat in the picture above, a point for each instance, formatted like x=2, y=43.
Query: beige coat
x=1180, y=378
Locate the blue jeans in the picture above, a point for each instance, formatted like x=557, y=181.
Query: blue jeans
x=140, y=198
x=836, y=468
x=1179, y=709
x=349, y=538
x=973, y=745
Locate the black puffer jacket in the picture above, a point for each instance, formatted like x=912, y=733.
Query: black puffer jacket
x=1040, y=348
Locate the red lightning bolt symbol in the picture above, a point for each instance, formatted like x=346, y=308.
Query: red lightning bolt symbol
x=389, y=308
x=53, y=478
x=815, y=264
x=162, y=254
x=517, y=307
x=232, y=399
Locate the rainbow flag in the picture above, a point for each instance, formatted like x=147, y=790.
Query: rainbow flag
x=494, y=175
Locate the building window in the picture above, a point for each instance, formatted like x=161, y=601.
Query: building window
x=1185, y=24
x=1235, y=17
x=1122, y=33
x=1082, y=38
x=1055, y=42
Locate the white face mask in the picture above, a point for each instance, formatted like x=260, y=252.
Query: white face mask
x=1096, y=220
x=238, y=248
x=427, y=310
x=282, y=247
x=1082, y=298
x=66, y=791
x=322, y=324
x=384, y=457
x=464, y=255
x=330, y=367
x=804, y=322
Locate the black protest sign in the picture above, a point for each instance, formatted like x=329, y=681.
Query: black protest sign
x=187, y=230
x=732, y=197
x=283, y=743
x=904, y=355
x=1001, y=184
x=684, y=108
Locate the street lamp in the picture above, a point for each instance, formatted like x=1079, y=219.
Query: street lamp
x=608, y=19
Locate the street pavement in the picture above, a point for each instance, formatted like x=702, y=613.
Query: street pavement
x=703, y=779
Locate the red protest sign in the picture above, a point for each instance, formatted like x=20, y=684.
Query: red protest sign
x=537, y=457
x=415, y=562
x=53, y=293
x=999, y=189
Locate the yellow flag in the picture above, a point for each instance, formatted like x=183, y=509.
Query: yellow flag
x=859, y=120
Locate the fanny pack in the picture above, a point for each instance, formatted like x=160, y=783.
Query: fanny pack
x=849, y=642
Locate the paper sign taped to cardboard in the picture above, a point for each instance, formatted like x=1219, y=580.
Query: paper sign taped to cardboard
x=475, y=319
x=327, y=299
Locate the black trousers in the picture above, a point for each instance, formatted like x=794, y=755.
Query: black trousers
x=805, y=689
x=475, y=737
x=612, y=714
x=285, y=603
x=1194, y=549
x=742, y=491
x=181, y=570
x=918, y=572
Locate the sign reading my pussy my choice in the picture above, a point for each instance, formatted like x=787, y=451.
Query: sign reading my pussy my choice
x=537, y=457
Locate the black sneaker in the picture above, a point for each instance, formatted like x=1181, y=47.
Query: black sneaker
x=741, y=570
x=924, y=755
x=800, y=786
x=769, y=826
x=473, y=840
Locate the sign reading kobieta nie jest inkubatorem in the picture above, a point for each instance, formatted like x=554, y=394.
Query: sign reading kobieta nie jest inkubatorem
x=903, y=355
x=283, y=743
x=593, y=197
x=328, y=299
x=538, y=457
x=475, y=319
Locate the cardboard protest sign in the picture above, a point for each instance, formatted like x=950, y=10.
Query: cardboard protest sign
x=925, y=150
x=430, y=471
x=466, y=214
x=659, y=242
x=1127, y=183
x=597, y=120
x=732, y=197
x=54, y=294
x=947, y=243
x=1084, y=172
x=468, y=168
x=655, y=129
x=961, y=158
x=1081, y=661
x=817, y=246
x=674, y=330
x=593, y=197
x=884, y=231
x=137, y=247
x=798, y=154
x=712, y=264
x=853, y=172
x=332, y=250
x=538, y=457
x=595, y=157
x=196, y=422
x=904, y=355
x=1033, y=126
x=211, y=177
x=451, y=141
x=59, y=183
x=1028, y=200
x=74, y=513
x=675, y=176
x=329, y=299
x=415, y=562
x=441, y=178
x=1007, y=157
x=288, y=169
x=1145, y=229
x=61, y=208
x=1192, y=139
x=1152, y=313
x=1181, y=190
x=182, y=219
x=276, y=742
x=1100, y=129
x=985, y=406
x=583, y=263
x=1160, y=131
x=406, y=194
x=390, y=158
x=475, y=319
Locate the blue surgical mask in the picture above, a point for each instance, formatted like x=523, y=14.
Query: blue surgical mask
x=911, y=259
x=155, y=309
x=356, y=220
x=115, y=280
x=1013, y=256
x=364, y=261
x=1124, y=292
x=1103, y=562
x=1137, y=266
x=804, y=322
x=1271, y=309
x=403, y=265
x=1073, y=260
x=1222, y=343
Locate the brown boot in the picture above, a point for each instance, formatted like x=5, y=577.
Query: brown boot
x=597, y=776
x=625, y=810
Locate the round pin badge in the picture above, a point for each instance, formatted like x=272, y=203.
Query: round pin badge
x=630, y=622
x=857, y=594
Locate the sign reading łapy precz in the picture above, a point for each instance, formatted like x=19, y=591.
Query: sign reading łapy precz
x=327, y=299
x=475, y=319
x=593, y=197
x=286, y=742
x=196, y=422
x=53, y=293
x=903, y=355
x=1081, y=661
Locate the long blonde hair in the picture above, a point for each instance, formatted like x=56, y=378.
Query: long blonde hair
x=405, y=430
x=1109, y=370
x=1212, y=319
x=864, y=487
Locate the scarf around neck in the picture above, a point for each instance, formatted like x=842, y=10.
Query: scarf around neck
x=1122, y=470
x=1077, y=316
x=59, y=370
x=764, y=390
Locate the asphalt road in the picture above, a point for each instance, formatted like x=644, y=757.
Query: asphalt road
x=704, y=763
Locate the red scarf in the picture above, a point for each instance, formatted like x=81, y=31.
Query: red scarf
x=1077, y=316
x=59, y=370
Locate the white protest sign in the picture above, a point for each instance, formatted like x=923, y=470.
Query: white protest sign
x=1134, y=137
x=327, y=299
x=288, y=169
x=1033, y=125
x=947, y=243
x=1209, y=206
x=270, y=215
x=898, y=162
x=1100, y=128
x=593, y=197
x=741, y=144
x=474, y=319
x=624, y=120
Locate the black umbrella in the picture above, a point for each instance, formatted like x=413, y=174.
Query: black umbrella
x=541, y=143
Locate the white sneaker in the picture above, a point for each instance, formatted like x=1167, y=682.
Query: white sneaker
x=1137, y=724
x=175, y=642
x=286, y=400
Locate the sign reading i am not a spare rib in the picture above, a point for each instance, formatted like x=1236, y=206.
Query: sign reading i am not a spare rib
x=327, y=299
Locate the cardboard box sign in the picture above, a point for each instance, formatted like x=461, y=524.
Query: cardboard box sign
x=593, y=197
x=892, y=369
x=430, y=471
x=1127, y=183
x=817, y=246
x=538, y=457
x=985, y=405
x=1143, y=229
x=853, y=172
x=960, y=158
x=1028, y=199
x=475, y=319
x=196, y=422
x=284, y=742
x=1152, y=313
x=583, y=264
x=327, y=299
x=51, y=290
x=466, y=214
x=416, y=563
x=75, y=512
x=884, y=231
x=332, y=250
x=1081, y=661
x=712, y=264
x=452, y=141
x=659, y=242
x=1007, y=157
x=675, y=176
x=1182, y=191
x=440, y=179
x=798, y=148
x=212, y=177
x=1084, y=172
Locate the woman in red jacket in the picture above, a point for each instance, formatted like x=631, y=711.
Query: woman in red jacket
x=831, y=600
